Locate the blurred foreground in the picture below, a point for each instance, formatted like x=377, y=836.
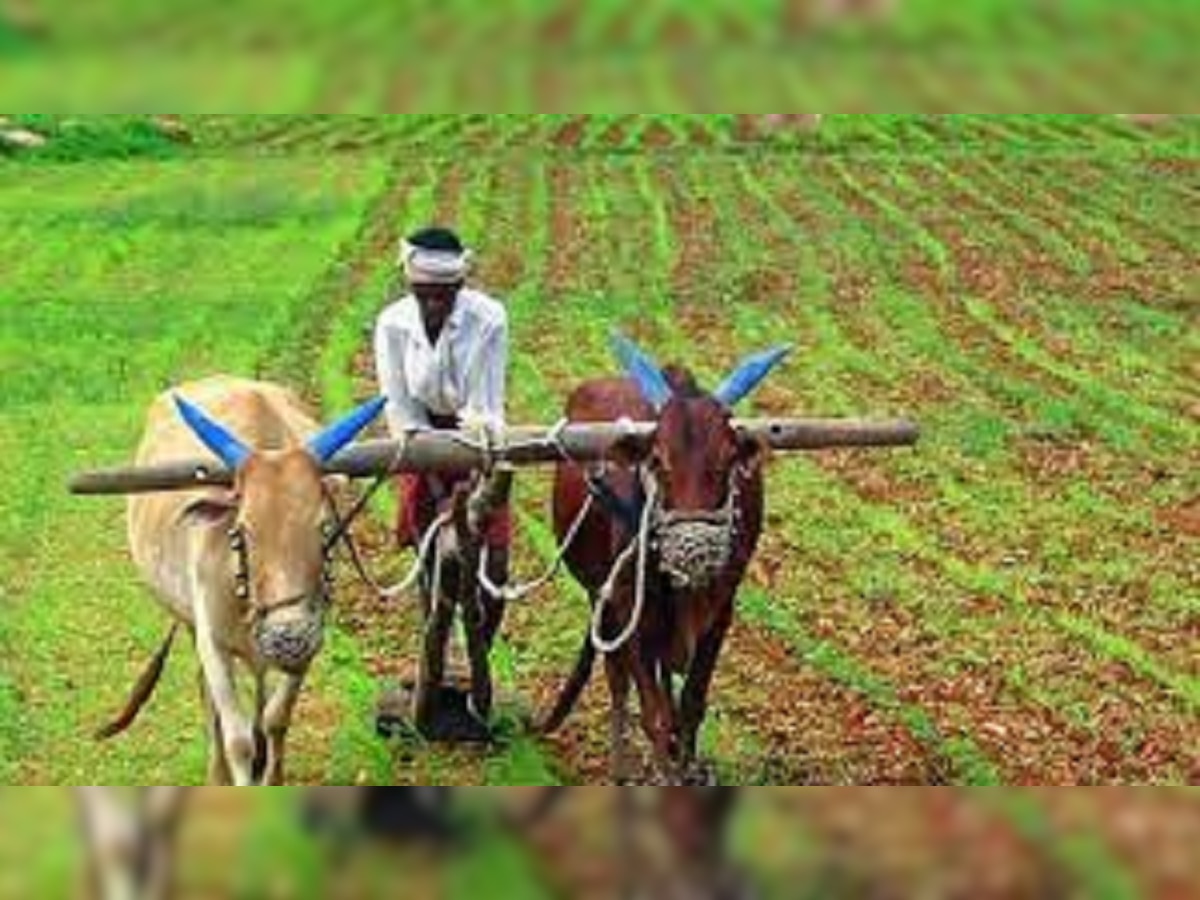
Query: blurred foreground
x=782, y=842
x=560, y=55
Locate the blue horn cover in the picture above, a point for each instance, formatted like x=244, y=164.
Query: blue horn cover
x=643, y=370
x=750, y=373
x=326, y=445
x=228, y=448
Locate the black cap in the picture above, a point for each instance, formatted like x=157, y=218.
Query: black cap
x=437, y=239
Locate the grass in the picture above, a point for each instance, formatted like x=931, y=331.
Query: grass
x=1025, y=139
x=940, y=351
x=89, y=138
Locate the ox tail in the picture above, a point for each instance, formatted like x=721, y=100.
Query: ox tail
x=568, y=698
x=142, y=691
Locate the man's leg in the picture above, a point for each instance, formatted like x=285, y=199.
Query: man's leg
x=499, y=551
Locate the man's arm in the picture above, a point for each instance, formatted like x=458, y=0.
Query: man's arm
x=403, y=413
x=486, y=387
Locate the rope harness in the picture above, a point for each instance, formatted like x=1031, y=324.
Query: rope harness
x=638, y=547
x=692, y=549
x=258, y=611
x=290, y=644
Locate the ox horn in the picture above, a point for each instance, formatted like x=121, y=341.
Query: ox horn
x=326, y=445
x=651, y=381
x=228, y=448
x=749, y=374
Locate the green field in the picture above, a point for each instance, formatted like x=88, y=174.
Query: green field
x=1016, y=602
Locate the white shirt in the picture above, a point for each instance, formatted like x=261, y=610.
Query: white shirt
x=462, y=375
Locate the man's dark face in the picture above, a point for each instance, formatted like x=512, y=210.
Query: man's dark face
x=437, y=303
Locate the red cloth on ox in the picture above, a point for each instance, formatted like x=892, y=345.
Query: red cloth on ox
x=420, y=496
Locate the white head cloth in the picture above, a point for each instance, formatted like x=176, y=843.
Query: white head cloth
x=434, y=266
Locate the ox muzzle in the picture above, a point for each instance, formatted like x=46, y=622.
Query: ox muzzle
x=290, y=641
x=695, y=549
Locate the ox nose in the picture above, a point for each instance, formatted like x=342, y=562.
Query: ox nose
x=290, y=641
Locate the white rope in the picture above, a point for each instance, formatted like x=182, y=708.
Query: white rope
x=640, y=545
x=428, y=542
x=511, y=594
x=341, y=532
x=555, y=438
x=502, y=450
x=517, y=593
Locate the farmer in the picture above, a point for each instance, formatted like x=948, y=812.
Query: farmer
x=441, y=355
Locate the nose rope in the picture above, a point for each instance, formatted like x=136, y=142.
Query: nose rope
x=639, y=548
x=257, y=611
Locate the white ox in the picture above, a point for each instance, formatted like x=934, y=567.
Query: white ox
x=244, y=569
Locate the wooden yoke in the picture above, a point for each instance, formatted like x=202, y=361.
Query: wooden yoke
x=451, y=451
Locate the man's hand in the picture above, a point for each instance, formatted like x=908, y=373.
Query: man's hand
x=487, y=430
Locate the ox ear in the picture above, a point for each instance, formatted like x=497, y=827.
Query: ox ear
x=643, y=370
x=209, y=510
x=326, y=445
x=749, y=374
x=230, y=449
x=753, y=450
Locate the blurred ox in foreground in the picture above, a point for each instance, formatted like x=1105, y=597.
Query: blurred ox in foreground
x=130, y=838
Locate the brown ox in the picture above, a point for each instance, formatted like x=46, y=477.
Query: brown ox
x=244, y=569
x=702, y=530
